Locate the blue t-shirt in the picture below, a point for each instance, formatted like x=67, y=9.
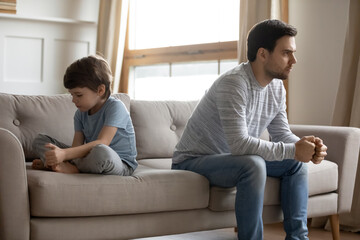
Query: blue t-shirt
x=113, y=113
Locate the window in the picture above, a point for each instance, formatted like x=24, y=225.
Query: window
x=177, y=81
x=176, y=49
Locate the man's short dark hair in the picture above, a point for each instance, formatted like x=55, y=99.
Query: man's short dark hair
x=265, y=34
x=90, y=72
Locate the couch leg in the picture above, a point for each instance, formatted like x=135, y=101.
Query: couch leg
x=335, y=226
x=309, y=220
x=235, y=229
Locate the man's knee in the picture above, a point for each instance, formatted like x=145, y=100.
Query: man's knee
x=254, y=176
x=256, y=168
x=257, y=163
x=298, y=168
x=303, y=169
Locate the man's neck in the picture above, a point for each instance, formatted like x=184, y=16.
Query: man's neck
x=259, y=74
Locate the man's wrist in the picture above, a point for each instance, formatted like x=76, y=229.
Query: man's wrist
x=289, y=150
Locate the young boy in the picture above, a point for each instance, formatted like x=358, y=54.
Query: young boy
x=104, y=140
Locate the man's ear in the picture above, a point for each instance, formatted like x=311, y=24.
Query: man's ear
x=101, y=90
x=262, y=54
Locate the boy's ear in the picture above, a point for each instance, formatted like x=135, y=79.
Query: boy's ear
x=101, y=90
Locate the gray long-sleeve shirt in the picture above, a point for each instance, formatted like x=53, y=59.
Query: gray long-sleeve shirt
x=232, y=115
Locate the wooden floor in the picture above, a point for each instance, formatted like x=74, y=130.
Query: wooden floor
x=271, y=232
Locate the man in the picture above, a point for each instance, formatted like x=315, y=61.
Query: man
x=221, y=139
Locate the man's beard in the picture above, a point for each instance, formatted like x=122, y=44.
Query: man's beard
x=278, y=75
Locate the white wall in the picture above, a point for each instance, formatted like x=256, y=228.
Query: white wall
x=315, y=78
x=83, y=10
x=41, y=40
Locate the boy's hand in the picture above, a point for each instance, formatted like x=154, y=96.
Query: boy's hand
x=54, y=156
x=320, y=151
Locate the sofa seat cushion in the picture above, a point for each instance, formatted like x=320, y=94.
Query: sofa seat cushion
x=323, y=178
x=157, y=163
x=148, y=190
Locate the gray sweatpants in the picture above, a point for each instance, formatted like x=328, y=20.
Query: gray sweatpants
x=101, y=159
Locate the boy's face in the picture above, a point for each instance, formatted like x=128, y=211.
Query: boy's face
x=86, y=100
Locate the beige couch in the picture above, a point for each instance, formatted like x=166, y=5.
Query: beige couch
x=155, y=200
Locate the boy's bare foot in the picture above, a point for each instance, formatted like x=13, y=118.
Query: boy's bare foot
x=38, y=165
x=65, y=167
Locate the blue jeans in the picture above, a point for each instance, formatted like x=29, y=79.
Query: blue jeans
x=248, y=173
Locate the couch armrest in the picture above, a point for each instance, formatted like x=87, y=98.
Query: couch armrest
x=14, y=198
x=343, y=148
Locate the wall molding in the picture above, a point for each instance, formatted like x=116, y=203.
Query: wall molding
x=47, y=19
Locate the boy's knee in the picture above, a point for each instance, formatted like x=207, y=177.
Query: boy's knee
x=41, y=138
x=96, y=161
x=38, y=138
x=100, y=160
x=100, y=151
x=39, y=141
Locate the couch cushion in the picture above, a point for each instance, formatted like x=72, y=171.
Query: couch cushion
x=148, y=190
x=158, y=126
x=323, y=178
x=26, y=116
x=158, y=163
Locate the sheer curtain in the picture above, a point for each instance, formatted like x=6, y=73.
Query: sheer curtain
x=347, y=105
x=111, y=35
x=8, y=6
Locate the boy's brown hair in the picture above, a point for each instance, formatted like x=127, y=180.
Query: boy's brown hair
x=90, y=72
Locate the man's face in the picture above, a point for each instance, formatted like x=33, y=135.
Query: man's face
x=280, y=61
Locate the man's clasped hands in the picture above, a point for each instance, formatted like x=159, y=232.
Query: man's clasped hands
x=310, y=148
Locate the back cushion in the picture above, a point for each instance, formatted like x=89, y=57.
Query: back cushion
x=27, y=116
x=159, y=126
